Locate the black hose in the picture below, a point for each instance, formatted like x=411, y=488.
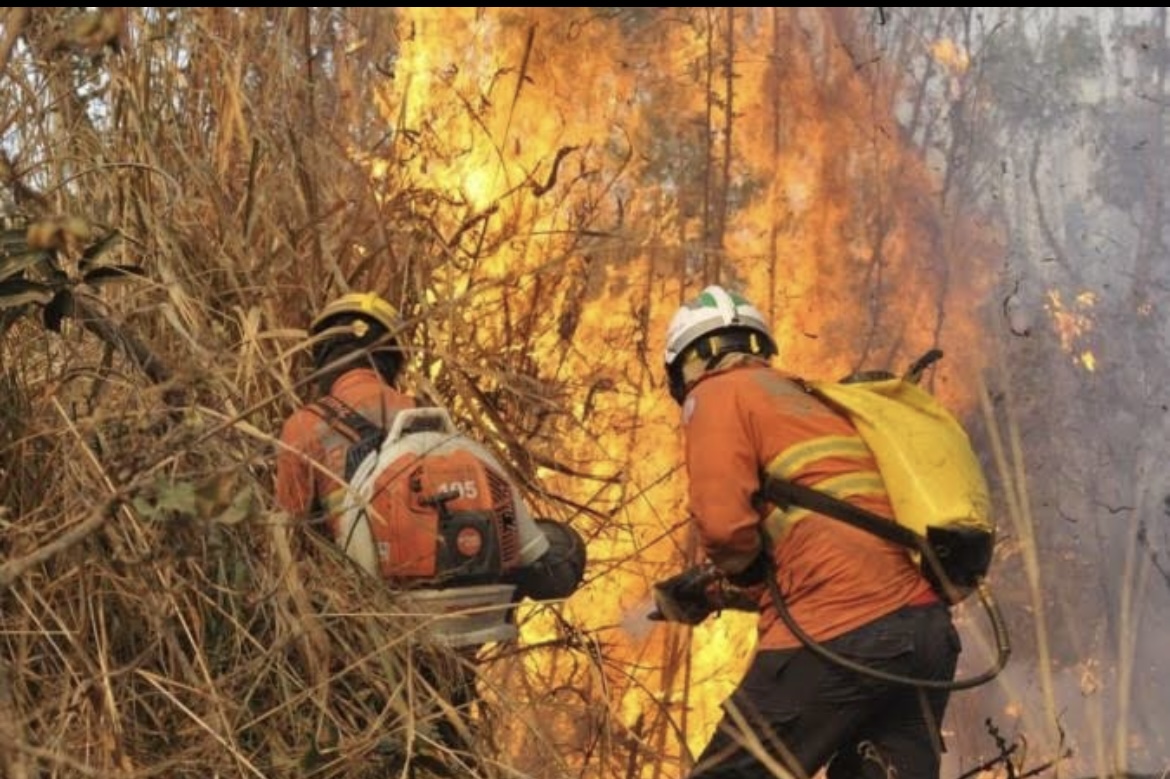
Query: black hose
x=998, y=628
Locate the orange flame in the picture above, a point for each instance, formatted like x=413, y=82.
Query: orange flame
x=1073, y=325
x=549, y=121
x=951, y=55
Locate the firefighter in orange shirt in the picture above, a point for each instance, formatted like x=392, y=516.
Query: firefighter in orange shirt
x=860, y=596
x=357, y=360
x=359, y=364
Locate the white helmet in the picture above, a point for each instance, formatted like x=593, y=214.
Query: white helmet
x=715, y=311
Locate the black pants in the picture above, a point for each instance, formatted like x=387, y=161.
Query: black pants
x=807, y=712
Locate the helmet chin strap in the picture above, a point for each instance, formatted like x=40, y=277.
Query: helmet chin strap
x=712, y=349
x=678, y=387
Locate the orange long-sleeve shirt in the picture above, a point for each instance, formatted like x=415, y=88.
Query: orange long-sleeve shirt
x=310, y=462
x=833, y=577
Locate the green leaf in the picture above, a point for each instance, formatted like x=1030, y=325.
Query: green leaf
x=144, y=507
x=243, y=506
x=106, y=273
x=16, y=264
x=95, y=249
x=18, y=292
x=176, y=496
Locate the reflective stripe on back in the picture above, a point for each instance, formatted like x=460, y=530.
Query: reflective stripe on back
x=795, y=459
x=845, y=486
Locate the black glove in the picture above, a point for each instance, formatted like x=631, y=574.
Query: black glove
x=683, y=597
x=696, y=593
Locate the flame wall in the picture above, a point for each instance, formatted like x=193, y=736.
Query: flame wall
x=591, y=168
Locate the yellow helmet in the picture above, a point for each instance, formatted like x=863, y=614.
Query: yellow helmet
x=356, y=322
x=364, y=304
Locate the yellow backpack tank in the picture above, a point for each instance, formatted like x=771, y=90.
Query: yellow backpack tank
x=934, y=479
x=932, y=474
x=937, y=489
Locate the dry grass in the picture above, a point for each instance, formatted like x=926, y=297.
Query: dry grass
x=159, y=620
x=157, y=617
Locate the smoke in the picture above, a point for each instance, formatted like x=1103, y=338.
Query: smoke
x=636, y=622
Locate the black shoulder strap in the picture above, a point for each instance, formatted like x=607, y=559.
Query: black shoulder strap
x=345, y=419
x=365, y=436
x=786, y=493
